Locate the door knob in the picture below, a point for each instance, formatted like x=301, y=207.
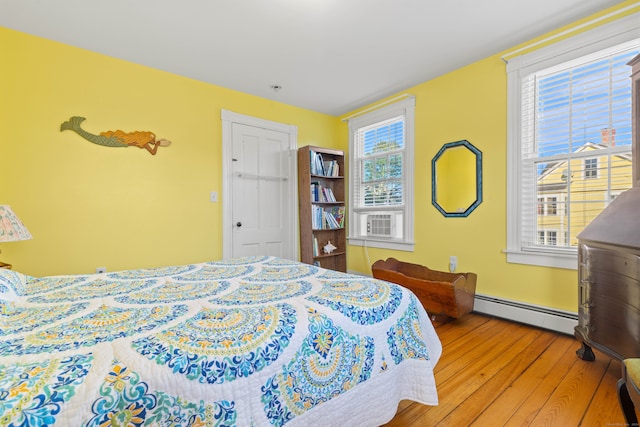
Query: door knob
x=239, y=224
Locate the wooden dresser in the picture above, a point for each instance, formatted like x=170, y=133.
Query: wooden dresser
x=609, y=300
x=609, y=264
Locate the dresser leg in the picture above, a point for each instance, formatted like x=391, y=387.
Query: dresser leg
x=585, y=353
x=626, y=403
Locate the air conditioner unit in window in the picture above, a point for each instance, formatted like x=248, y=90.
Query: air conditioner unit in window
x=380, y=225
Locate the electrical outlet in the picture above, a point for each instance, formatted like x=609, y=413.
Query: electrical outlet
x=453, y=263
x=100, y=270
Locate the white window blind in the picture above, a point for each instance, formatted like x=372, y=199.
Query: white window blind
x=380, y=149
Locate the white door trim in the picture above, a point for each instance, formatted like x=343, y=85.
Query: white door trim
x=228, y=118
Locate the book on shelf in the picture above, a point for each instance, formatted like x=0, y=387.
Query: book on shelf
x=329, y=218
x=316, y=162
x=320, y=164
x=321, y=167
x=331, y=168
x=312, y=162
x=337, y=212
x=317, y=192
x=328, y=194
x=321, y=194
x=331, y=221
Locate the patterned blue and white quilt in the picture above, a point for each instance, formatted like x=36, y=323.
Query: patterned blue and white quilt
x=256, y=341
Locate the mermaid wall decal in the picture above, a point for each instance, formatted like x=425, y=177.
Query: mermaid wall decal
x=118, y=138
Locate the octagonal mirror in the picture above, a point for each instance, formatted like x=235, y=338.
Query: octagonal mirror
x=456, y=179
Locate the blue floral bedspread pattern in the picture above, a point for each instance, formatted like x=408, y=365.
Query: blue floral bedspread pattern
x=224, y=344
x=125, y=400
x=329, y=363
x=31, y=394
x=242, y=342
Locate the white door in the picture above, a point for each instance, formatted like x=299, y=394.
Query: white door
x=262, y=194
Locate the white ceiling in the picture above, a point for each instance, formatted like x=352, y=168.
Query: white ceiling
x=330, y=56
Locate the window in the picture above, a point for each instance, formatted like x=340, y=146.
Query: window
x=552, y=206
x=547, y=237
x=569, y=131
x=547, y=206
x=381, y=177
x=590, y=168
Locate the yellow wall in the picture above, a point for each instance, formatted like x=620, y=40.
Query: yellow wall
x=471, y=103
x=89, y=206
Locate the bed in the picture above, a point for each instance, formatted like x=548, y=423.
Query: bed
x=255, y=341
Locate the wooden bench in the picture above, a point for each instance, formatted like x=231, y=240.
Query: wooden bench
x=444, y=295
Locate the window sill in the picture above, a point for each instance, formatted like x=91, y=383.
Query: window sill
x=397, y=245
x=567, y=260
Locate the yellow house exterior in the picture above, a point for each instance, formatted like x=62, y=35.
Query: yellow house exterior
x=586, y=184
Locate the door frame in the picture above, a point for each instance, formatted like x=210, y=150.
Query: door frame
x=228, y=119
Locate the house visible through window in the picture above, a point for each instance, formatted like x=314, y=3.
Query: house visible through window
x=381, y=177
x=569, y=139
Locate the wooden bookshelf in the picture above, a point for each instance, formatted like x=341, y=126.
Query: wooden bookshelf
x=330, y=193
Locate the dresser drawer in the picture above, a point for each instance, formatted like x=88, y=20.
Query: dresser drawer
x=613, y=286
x=602, y=259
x=615, y=325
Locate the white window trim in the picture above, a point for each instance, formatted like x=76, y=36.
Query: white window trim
x=619, y=31
x=405, y=107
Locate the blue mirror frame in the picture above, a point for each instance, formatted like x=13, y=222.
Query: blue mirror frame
x=478, y=162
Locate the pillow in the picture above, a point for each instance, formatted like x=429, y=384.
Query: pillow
x=12, y=283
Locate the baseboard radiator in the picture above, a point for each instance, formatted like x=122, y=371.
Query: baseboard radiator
x=543, y=317
x=530, y=314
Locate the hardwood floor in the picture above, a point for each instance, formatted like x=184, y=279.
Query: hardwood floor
x=494, y=372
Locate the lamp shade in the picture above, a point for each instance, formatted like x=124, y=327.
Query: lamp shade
x=11, y=228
